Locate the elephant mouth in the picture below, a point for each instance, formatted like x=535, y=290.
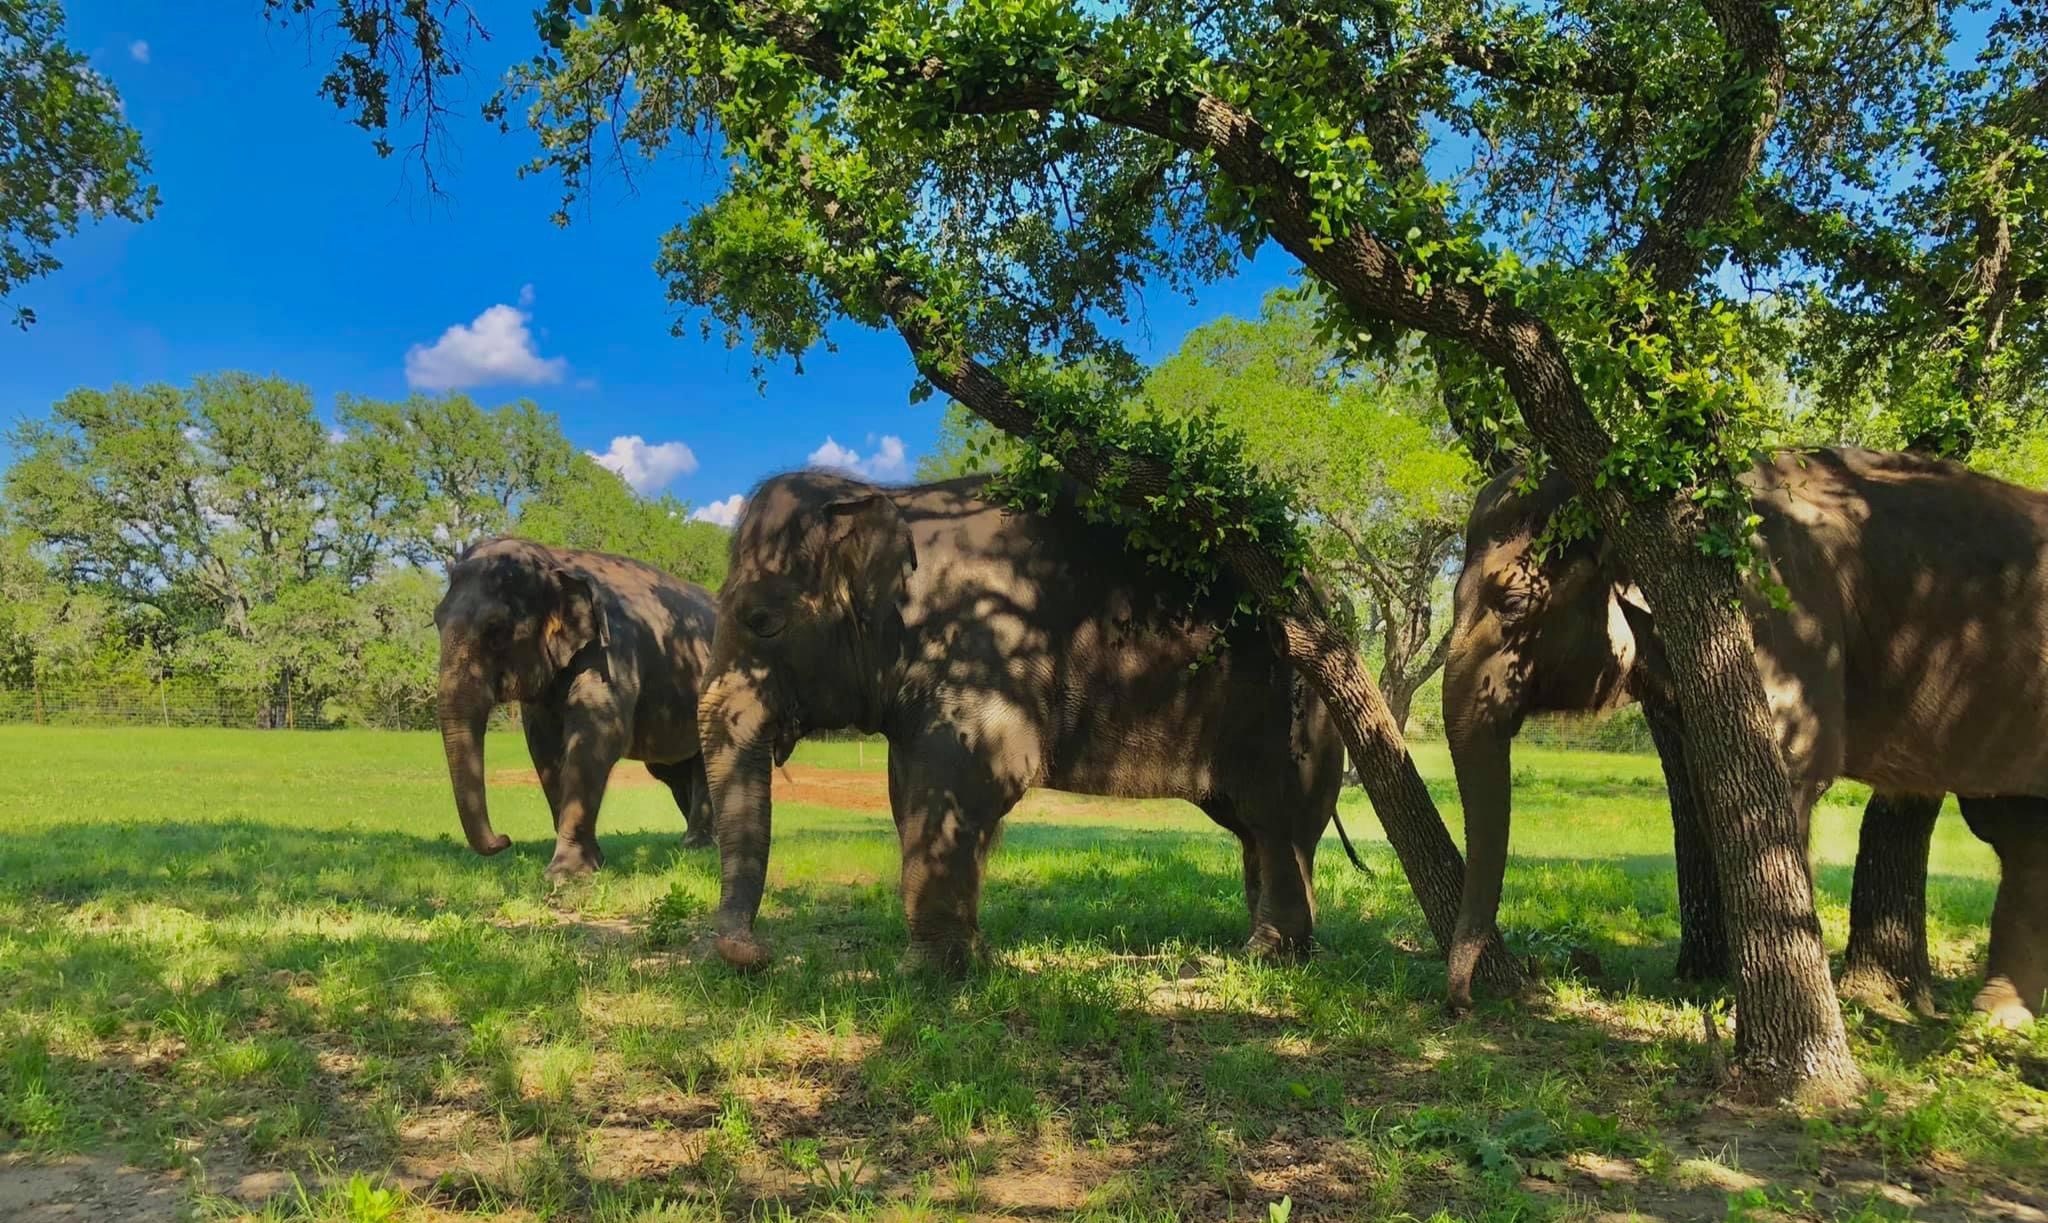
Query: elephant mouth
x=786, y=738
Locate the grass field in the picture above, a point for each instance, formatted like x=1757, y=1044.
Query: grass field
x=247, y=972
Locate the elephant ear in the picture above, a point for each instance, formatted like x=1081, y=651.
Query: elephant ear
x=575, y=621
x=1652, y=669
x=872, y=554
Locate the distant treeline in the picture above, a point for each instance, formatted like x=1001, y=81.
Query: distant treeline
x=222, y=534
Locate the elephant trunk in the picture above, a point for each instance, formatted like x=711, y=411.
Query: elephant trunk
x=465, y=708
x=738, y=760
x=1481, y=755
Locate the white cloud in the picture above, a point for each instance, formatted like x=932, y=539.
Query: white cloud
x=887, y=462
x=722, y=513
x=139, y=51
x=525, y=297
x=646, y=467
x=337, y=435
x=497, y=347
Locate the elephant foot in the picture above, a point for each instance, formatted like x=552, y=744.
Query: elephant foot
x=698, y=840
x=2002, y=1003
x=573, y=860
x=1462, y=966
x=741, y=950
x=950, y=958
x=1277, y=948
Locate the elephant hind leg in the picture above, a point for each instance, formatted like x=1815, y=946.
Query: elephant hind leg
x=1886, y=959
x=1224, y=812
x=687, y=784
x=2016, y=970
x=1284, y=911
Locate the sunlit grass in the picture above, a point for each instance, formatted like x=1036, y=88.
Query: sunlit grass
x=243, y=955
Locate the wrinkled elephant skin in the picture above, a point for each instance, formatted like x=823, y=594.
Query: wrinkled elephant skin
x=997, y=650
x=1913, y=657
x=604, y=656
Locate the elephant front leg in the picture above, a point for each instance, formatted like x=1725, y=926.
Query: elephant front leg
x=2016, y=969
x=543, y=728
x=587, y=759
x=1702, y=936
x=1886, y=960
x=946, y=819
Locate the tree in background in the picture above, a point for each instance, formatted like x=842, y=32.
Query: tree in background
x=46, y=629
x=586, y=506
x=220, y=530
x=202, y=503
x=67, y=155
x=966, y=445
x=433, y=474
x=1384, y=484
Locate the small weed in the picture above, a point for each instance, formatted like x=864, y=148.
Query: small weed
x=676, y=917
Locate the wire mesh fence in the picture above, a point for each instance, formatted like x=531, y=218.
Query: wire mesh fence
x=191, y=702
x=199, y=702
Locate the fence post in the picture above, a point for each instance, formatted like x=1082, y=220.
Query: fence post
x=37, y=680
x=163, y=700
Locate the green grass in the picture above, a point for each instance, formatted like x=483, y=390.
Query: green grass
x=264, y=967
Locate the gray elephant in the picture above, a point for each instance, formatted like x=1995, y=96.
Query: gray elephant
x=997, y=650
x=1914, y=657
x=604, y=656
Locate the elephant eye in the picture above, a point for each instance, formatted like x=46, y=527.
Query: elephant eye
x=762, y=622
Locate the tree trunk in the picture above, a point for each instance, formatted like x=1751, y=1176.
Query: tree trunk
x=1887, y=956
x=1399, y=695
x=1325, y=656
x=1702, y=934
x=1789, y=1032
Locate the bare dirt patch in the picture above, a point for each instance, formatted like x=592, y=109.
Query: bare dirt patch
x=849, y=789
x=84, y=1187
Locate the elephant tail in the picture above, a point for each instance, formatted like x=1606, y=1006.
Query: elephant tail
x=1345, y=838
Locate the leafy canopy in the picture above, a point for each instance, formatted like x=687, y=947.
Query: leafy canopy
x=67, y=154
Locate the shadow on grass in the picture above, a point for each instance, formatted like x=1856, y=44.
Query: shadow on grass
x=1116, y=1008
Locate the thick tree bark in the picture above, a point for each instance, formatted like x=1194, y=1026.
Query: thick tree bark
x=1702, y=933
x=1887, y=956
x=1789, y=1031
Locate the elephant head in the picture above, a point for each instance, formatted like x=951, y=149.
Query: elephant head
x=512, y=618
x=1538, y=626
x=809, y=631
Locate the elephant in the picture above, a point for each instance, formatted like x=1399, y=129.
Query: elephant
x=998, y=649
x=1912, y=655
x=603, y=654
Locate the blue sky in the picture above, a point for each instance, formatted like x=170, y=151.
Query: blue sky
x=284, y=245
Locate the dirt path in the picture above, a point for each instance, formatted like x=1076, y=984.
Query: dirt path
x=846, y=789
